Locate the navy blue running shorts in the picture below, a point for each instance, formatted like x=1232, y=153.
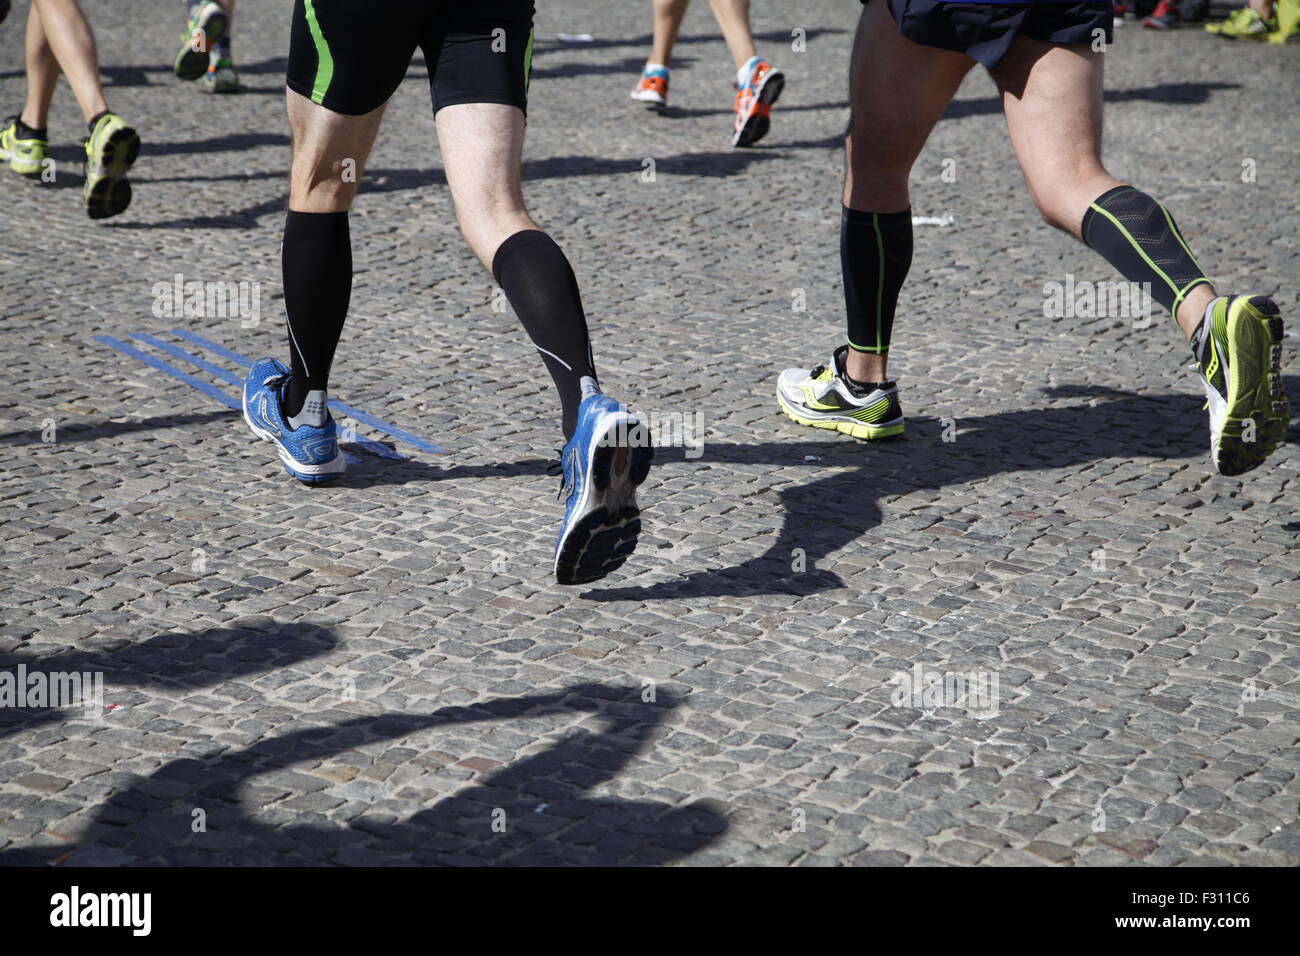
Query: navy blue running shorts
x=984, y=31
x=350, y=55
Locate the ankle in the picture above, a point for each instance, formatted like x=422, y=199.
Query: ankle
x=29, y=126
x=865, y=368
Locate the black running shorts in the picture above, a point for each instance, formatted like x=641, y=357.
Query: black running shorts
x=350, y=55
x=984, y=31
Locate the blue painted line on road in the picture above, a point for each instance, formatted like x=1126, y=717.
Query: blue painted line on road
x=335, y=404
x=374, y=447
x=210, y=390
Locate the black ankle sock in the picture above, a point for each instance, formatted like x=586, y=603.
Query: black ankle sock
x=94, y=120
x=1136, y=235
x=539, y=282
x=875, y=254
x=29, y=132
x=316, y=260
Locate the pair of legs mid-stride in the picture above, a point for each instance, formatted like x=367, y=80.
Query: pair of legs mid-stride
x=59, y=41
x=346, y=59
x=1049, y=76
x=758, y=83
x=205, y=46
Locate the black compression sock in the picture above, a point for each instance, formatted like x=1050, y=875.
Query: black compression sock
x=29, y=132
x=875, y=254
x=1136, y=235
x=539, y=282
x=316, y=259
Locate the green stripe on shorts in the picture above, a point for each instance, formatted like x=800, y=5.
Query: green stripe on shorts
x=528, y=61
x=324, y=62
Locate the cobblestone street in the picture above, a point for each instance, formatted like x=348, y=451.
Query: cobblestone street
x=383, y=670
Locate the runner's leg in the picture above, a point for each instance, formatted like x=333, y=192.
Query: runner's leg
x=73, y=45
x=42, y=73
x=329, y=155
x=1052, y=96
x=886, y=133
x=482, y=147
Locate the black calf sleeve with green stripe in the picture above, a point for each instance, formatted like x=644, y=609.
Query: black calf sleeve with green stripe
x=1138, y=236
x=875, y=254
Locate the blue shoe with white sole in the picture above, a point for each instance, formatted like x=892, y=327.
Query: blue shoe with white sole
x=308, y=452
x=607, y=457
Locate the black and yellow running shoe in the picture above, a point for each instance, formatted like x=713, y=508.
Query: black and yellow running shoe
x=1238, y=352
x=110, y=151
x=206, y=26
x=827, y=398
x=23, y=147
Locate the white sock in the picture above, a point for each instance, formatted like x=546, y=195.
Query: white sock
x=654, y=66
x=746, y=71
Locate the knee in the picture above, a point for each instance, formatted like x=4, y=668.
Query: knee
x=326, y=186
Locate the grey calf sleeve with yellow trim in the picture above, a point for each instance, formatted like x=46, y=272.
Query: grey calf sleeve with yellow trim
x=1138, y=236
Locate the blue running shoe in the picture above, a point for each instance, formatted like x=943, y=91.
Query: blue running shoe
x=310, y=452
x=607, y=457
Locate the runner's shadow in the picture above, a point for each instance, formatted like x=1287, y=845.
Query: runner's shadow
x=372, y=472
x=83, y=431
x=176, y=659
x=827, y=514
x=537, y=810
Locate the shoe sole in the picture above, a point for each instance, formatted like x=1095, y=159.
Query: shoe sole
x=22, y=167
x=1257, y=403
x=650, y=99
x=604, y=537
x=306, y=479
x=757, y=125
x=845, y=426
x=191, y=63
x=107, y=191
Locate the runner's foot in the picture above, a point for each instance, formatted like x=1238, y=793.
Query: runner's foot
x=827, y=398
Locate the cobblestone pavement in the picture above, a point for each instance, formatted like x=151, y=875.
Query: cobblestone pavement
x=382, y=671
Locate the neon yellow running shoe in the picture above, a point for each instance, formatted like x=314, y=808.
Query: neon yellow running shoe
x=221, y=78
x=1243, y=24
x=24, y=151
x=1238, y=352
x=205, y=27
x=110, y=151
x=826, y=398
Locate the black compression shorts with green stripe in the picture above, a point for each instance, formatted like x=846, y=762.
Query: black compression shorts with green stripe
x=350, y=55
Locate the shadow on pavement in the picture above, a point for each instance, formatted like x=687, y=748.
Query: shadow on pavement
x=183, y=659
x=826, y=514
x=543, y=799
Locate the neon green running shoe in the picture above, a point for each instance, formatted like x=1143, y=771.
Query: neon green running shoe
x=1238, y=352
x=1243, y=24
x=25, y=153
x=205, y=27
x=110, y=151
x=221, y=78
x=826, y=398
